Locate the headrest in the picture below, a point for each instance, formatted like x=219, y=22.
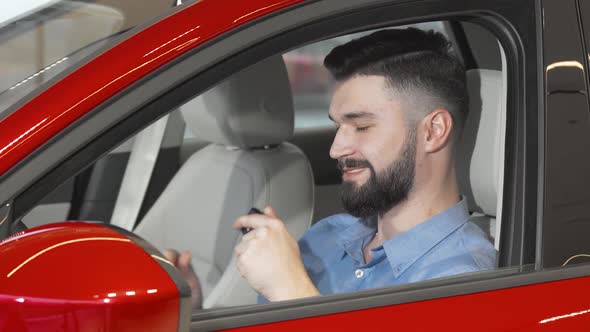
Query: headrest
x=480, y=146
x=252, y=108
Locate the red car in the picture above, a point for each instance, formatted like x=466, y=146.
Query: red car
x=154, y=125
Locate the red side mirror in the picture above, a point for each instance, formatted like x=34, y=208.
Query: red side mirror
x=76, y=276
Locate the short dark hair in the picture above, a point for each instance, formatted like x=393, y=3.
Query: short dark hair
x=411, y=60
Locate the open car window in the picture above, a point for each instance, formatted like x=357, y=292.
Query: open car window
x=211, y=198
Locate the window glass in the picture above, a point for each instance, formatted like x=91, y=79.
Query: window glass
x=41, y=41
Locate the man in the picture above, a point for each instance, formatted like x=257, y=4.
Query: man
x=399, y=106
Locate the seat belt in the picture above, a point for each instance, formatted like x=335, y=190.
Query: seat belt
x=138, y=173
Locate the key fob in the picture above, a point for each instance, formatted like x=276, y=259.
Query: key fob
x=246, y=230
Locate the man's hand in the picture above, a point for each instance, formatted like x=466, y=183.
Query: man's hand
x=183, y=263
x=268, y=258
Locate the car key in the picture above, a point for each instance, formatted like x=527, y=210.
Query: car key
x=246, y=230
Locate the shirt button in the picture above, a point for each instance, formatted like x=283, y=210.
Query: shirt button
x=359, y=273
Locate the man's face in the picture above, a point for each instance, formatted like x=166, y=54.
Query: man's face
x=374, y=147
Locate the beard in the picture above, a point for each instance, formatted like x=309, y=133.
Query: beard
x=384, y=191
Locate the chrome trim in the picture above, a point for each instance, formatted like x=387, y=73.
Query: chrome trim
x=5, y=224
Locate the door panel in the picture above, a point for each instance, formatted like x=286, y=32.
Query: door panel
x=566, y=222
x=541, y=307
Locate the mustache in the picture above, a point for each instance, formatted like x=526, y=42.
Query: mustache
x=342, y=163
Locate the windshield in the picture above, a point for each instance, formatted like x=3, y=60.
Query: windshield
x=46, y=37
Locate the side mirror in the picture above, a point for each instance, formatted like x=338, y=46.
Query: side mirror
x=76, y=276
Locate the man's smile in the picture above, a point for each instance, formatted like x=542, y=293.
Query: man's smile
x=353, y=172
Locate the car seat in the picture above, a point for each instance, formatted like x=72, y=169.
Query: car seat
x=247, y=120
x=480, y=166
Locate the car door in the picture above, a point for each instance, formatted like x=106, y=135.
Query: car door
x=525, y=292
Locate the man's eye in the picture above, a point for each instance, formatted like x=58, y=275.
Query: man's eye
x=361, y=129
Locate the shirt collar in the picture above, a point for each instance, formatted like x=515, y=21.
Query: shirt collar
x=354, y=238
x=406, y=248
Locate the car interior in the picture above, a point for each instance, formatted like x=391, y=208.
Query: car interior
x=183, y=181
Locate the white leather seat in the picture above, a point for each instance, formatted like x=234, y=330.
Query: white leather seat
x=480, y=164
x=247, y=119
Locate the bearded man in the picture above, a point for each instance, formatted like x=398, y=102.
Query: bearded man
x=398, y=106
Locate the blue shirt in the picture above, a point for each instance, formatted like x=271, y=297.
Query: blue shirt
x=444, y=245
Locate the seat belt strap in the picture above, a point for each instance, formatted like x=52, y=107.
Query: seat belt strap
x=138, y=173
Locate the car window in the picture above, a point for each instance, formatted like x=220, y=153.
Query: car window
x=40, y=41
x=203, y=180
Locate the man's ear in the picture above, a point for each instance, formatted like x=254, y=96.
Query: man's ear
x=438, y=128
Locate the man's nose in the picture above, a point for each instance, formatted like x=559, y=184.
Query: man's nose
x=341, y=146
